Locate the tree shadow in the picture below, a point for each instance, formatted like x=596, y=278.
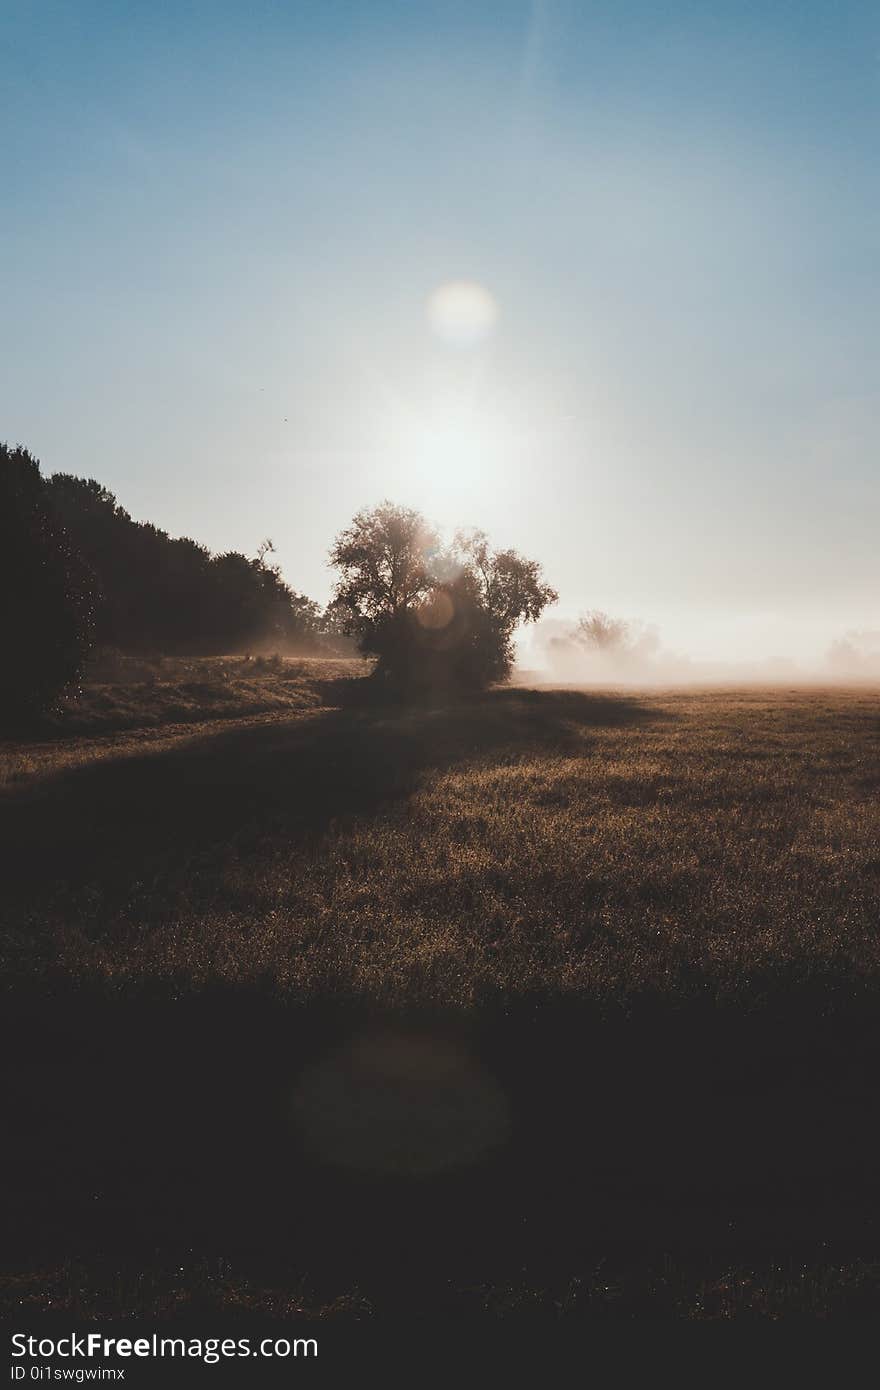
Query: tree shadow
x=187, y=1135
x=117, y=820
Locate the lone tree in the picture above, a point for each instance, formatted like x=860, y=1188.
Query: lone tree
x=48, y=595
x=596, y=630
x=435, y=617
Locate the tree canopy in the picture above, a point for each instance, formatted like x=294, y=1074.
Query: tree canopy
x=434, y=616
x=155, y=591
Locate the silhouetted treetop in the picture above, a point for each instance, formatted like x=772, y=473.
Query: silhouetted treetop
x=384, y=558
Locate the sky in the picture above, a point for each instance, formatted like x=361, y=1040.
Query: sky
x=226, y=226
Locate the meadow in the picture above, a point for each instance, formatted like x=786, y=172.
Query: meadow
x=548, y=1002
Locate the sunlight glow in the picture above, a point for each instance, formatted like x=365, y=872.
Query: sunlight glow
x=462, y=312
x=397, y=1103
x=455, y=445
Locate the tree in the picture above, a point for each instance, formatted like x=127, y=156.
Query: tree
x=503, y=590
x=333, y=631
x=385, y=562
x=47, y=594
x=435, y=617
x=595, y=629
x=612, y=644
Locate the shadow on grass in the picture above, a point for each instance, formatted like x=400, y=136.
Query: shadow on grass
x=233, y=789
x=169, y=1124
x=163, y=1121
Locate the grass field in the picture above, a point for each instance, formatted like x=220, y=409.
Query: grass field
x=453, y=1006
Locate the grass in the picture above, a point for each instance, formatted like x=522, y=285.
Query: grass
x=127, y=692
x=526, y=983
x=132, y=705
x=213, y=1291
x=526, y=842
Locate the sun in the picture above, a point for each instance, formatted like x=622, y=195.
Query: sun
x=444, y=422
x=456, y=442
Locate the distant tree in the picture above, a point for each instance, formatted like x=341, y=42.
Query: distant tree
x=253, y=606
x=604, y=634
x=334, y=633
x=286, y=617
x=857, y=653
x=433, y=617
x=47, y=594
x=613, y=644
x=304, y=619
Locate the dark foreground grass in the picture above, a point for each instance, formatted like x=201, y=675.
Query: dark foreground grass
x=450, y=1008
x=215, y=1293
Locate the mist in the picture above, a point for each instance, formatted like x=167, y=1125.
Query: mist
x=600, y=649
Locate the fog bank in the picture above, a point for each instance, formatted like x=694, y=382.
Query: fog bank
x=598, y=649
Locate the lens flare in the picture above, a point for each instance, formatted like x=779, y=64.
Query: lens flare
x=436, y=612
x=399, y=1103
x=462, y=312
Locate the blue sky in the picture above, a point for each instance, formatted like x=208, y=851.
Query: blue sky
x=222, y=222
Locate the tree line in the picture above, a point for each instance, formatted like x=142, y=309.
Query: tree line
x=77, y=572
x=154, y=592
